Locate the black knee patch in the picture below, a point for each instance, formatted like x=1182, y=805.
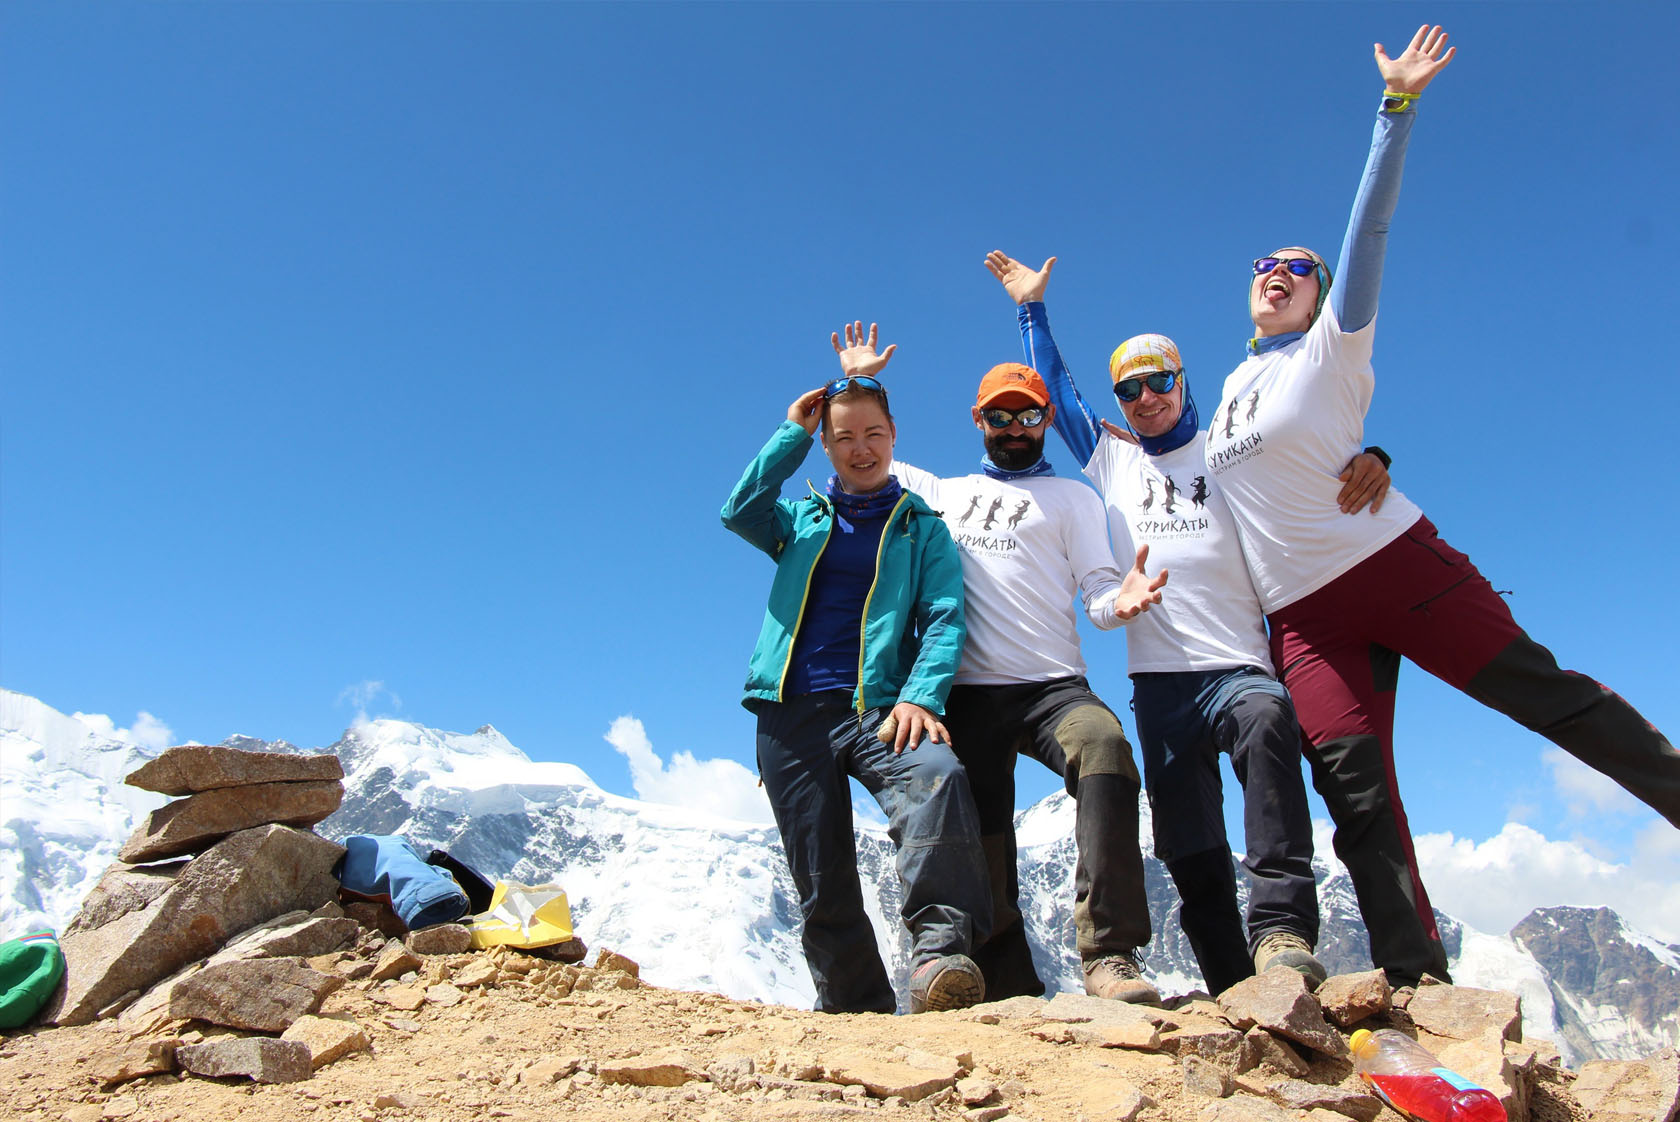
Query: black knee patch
x=1385, y=669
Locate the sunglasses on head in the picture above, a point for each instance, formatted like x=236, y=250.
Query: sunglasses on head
x=1132, y=388
x=861, y=381
x=1299, y=266
x=1029, y=418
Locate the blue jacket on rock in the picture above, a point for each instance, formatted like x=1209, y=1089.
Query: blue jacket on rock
x=913, y=617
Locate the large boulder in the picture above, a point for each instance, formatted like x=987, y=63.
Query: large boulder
x=1280, y=1002
x=248, y=878
x=197, y=822
x=265, y=1059
x=205, y=767
x=264, y=994
x=294, y=934
x=1350, y=998
x=1645, y=1090
x=329, y=1038
x=123, y=889
x=1463, y=1013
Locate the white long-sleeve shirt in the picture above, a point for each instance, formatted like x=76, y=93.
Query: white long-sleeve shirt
x=1027, y=546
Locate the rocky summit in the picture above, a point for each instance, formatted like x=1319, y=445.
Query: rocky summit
x=506, y=1034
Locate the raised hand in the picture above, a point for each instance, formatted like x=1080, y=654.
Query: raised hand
x=806, y=409
x=1139, y=591
x=1023, y=284
x=1418, y=63
x=1365, y=480
x=858, y=355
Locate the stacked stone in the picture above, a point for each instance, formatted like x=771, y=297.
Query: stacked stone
x=228, y=790
x=250, y=861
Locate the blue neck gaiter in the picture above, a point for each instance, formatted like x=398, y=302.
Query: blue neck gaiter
x=856, y=508
x=1267, y=343
x=1042, y=467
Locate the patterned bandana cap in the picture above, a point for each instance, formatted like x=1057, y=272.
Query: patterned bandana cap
x=1144, y=354
x=1014, y=381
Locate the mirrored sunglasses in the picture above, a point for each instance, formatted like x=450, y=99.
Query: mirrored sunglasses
x=1299, y=266
x=861, y=381
x=1132, y=388
x=1002, y=418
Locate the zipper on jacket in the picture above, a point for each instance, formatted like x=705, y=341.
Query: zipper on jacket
x=863, y=624
x=804, y=599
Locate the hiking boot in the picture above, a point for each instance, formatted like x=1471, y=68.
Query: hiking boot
x=949, y=982
x=1119, y=977
x=1281, y=947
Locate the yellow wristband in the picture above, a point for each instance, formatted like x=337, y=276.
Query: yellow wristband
x=1394, y=102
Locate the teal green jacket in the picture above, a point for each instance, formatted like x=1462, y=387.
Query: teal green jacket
x=913, y=616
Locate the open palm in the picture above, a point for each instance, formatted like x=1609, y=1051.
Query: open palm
x=1418, y=63
x=858, y=355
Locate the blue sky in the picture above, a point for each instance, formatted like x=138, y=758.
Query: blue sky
x=418, y=344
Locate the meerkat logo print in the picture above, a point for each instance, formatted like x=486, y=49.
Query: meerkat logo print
x=992, y=530
x=1236, y=449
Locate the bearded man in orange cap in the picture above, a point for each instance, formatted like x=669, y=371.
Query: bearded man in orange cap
x=1029, y=540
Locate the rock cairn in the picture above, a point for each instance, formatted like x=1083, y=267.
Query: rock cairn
x=234, y=853
x=218, y=937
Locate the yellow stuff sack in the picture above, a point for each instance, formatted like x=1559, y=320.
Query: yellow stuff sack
x=523, y=915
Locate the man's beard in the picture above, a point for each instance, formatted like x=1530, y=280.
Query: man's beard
x=1014, y=453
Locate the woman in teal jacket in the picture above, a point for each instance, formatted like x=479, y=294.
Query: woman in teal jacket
x=864, y=629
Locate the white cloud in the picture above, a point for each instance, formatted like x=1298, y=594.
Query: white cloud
x=1584, y=790
x=865, y=810
x=363, y=695
x=723, y=787
x=148, y=732
x=1493, y=884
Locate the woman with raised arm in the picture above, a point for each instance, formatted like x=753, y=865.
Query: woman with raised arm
x=865, y=623
x=1346, y=598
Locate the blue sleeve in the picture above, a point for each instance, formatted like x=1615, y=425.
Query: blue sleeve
x=1074, y=421
x=1359, y=272
x=752, y=510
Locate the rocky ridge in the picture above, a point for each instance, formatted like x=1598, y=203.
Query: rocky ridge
x=508, y=1034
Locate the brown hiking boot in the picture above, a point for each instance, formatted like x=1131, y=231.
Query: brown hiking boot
x=1281, y=947
x=949, y=982
x=1119, y=977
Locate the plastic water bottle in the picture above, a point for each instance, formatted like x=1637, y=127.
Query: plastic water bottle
x=1412, y=1081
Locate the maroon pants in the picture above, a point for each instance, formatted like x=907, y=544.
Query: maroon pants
x=1338, y=650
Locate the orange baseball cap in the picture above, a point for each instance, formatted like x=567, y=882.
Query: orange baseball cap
x=1011, y=380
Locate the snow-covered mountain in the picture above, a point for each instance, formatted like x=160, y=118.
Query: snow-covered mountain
x=64, y=811
x=705, y=902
